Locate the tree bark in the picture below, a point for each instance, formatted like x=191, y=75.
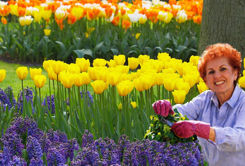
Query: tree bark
x=223, y=21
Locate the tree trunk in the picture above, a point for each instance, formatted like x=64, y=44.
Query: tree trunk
x=223, y=21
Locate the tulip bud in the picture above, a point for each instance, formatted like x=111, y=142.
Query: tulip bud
x=22, y=72
x=2, y=74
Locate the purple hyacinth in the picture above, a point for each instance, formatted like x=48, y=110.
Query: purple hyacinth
x=54, y=157
x=36, y=162
x=4, y=100
x=68, y=148
x=33, y=148
x=4, y=156
x=88, y=156
x=17, y=161
x=87, y=96
x=13, y=143
x=49, y=103
x=45, y=143
x=28, y=97
x=57, y=136
x=25, y=127
x=9, y=92
x=87, y=138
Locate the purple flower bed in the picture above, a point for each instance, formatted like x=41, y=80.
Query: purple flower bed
x=25, y=144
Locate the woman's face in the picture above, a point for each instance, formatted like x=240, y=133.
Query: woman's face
x=220, y=76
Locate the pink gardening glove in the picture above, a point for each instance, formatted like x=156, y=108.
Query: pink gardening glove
x=163, y=108
x=188, y=128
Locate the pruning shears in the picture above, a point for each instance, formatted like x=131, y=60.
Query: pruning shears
x=170, y=124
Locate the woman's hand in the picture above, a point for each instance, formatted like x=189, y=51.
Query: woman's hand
x=188, y=128
x=163, y=108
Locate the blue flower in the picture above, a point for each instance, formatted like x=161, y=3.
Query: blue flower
x=13, y=143
x=55, y=157
x=49, y=103
x=17, y=161
x=4, y=100
x=36, y=162
x=33, y=148
x=87, y=139
x=4, y=156
x=28, y=97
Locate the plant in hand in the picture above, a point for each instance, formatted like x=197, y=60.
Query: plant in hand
x=160, y=131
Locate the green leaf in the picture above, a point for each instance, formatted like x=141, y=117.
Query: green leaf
x=82, y=52
x=98, y=46
x=114, y=51
x=61, y=46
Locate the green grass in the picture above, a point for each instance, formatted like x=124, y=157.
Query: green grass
x=13, y=80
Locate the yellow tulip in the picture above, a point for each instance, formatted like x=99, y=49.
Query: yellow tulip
x=241, y=82
x=46, y=14
x=163, y=56
x=119, y=106
x=47, y=64
x=169, y=84
x=73, y=68
x=112, y=63
x=83, y=63
x=98, y=73
x=160, y=78
x=113, y=78
x=14, y=10
x=142, y=19
x=121, y=69
x=77, y=11
x=143, y=58
x=78, y=80
x=86, y=78
x=59, y=66
x=137, y=35
x=47, y=32
x=190, y=79
x=81, y=79
x=165, y=16
x=22, y=72
x=133, y=104
x=125, y=87
x=39, y=81
x=179, y=96
x=99, y=86
x=2, y=74
x=194, y=60
x=133, y=63
x=37, y=17
x=34, y=72
x=99, y=62
x=67, y=79
x=182, y=85
x=203, y=87
x=119, y=59
x=138, y=84
x=51, y=74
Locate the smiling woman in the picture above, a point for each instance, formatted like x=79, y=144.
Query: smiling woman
x=217, y=115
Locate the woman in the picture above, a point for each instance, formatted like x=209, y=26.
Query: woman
x=217, y=116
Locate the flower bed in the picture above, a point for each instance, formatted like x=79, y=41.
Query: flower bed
x=25, y=144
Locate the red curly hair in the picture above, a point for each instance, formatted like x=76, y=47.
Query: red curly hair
x=219, y=50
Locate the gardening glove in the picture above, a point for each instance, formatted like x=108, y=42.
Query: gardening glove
x=188, y=128
x=163, y=108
